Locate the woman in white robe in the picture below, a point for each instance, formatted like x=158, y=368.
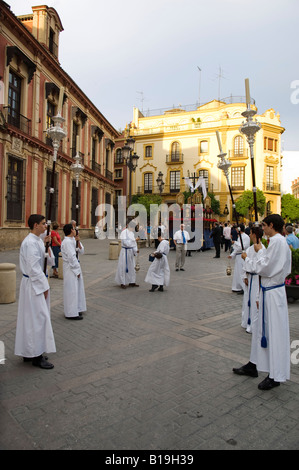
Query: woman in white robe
x=273, y=353
x=34, y=333
x=158, y=273
x=126, y=273
x=237, y=283
x=73, y=285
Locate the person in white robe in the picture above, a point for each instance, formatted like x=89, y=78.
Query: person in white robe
x=34, y=333
x=251, y=286
x=250, y=311
x=158, y=274
x=273, y=353
x=73, y=284
x=237, y=283
x=125, y=273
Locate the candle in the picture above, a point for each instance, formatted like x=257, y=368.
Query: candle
x=219, y=141
x=61, y=93
x=247, y=92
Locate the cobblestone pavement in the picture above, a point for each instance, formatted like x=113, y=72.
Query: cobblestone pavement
x=143, y=370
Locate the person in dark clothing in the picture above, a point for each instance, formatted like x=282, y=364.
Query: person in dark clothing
x=234, y=233
x=216, y=235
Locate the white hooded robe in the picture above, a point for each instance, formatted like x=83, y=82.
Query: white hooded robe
x=159, y=273
x=126, y=273
x=238, y=283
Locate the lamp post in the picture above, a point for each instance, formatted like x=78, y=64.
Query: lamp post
x=56, y=133
x=131, y=160
x=224, y=165
x=160, y=182
x=250, y=128
x=77, y=168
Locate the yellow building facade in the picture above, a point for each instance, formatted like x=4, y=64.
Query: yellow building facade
x=181, y=143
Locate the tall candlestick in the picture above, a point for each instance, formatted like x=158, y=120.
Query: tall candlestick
x=219, y=141
x=247, y=92
x=61, y=93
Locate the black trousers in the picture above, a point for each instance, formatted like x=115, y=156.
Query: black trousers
x=217, y=248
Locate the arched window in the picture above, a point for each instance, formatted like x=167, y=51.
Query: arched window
x=175, y=152
x=238, y=146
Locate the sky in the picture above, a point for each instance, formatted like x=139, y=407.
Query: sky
x=147, y=53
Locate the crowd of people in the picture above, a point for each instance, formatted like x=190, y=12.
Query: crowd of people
x=259, y=275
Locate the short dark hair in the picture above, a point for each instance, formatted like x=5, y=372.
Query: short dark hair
x=276, y=220
x=67, y=229
x=257, y=230
x=242, y=227
x=55, y=225
x=35, y=219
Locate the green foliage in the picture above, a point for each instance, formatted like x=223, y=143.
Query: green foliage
x=146, y=200
x=289, y=207
x=293, y=278
x=245, y=203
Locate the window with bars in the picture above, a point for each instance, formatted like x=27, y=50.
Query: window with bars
x=118, y=156
x=238, y=146
x=74, y=138
x=54, y=196
x=148, y=182
x=49, y=119
x=204, y=174
x=238, y=178
x=270, y=177
x=175, y=181
x=15, y=189
x=94, y=205
x=148, y=151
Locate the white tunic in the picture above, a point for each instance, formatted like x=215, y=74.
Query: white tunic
x=159, y=273
x=34, y=334
x=273, y=266
x=73, y=287
x=126, y=273
x=238, y=283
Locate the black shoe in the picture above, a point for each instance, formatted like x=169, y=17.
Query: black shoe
x=123, y=286
x=161, y=289
x=132, y=284
x=177, y=269
x=27, y=359
x=154, y=287
x=249, y=369
x=182, y=269
x=267, y=384
x=216, y=256
x=41, y=362
x=79, y=317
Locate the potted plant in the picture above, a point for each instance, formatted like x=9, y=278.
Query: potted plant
x=292, y=280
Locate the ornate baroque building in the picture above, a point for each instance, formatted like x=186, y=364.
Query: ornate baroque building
x=31, y=81
x=181, y=143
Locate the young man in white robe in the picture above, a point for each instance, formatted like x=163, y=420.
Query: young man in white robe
x=251, y=285
x=237, y=283
x=158, y=274
x=273, y=348
x=73, y=285
x=34, y=333
x=126, y=274
x=250, y=313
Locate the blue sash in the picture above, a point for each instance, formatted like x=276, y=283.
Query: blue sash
x=127, y=248
x=264, y=289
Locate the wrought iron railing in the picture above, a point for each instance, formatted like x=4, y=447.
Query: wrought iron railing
x=95, y=166
x=272, y=187
x=16, y=119
x=175, y=158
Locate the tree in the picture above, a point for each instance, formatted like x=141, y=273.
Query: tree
x=146, y=200
x=245, y=203
x=289, y=207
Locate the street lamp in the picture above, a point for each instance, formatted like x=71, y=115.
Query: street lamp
x=224, y=165
x=226, y=211
x=250, y=128
x=160, y=182
x=56, y=133
x=77, y=168
x=131, y=160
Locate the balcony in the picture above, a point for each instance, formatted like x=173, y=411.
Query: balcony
x=17, y=120
x=96, y=167
x=109, y=175
x=238, y=188
x=273, y=187
x=175, y=158
x=155, y=190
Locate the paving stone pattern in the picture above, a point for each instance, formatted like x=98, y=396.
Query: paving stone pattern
x=143, y=370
